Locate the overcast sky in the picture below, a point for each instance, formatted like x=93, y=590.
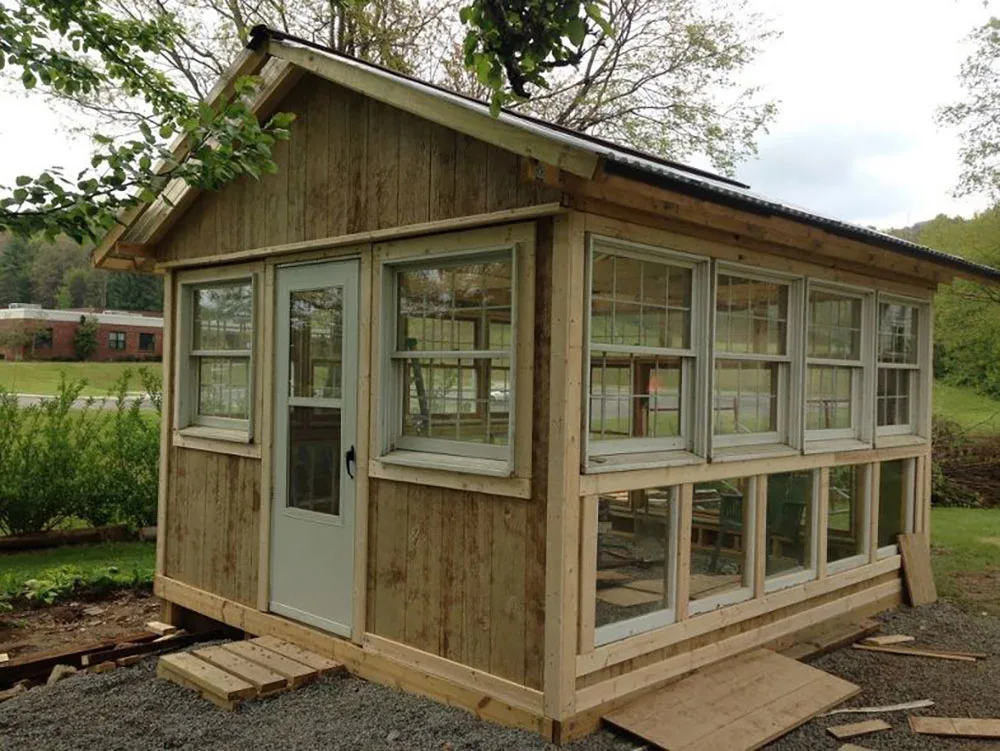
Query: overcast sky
x=858, y=83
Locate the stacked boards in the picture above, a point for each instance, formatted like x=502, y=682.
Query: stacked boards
x=230, y=673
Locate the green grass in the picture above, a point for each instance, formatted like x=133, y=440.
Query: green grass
x=961, y=545
x=65, y=571
x=975, y=412
x=43, y=377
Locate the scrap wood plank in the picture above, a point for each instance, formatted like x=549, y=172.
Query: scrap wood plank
x=626, y=598
x=39, y=664
x=887, y=640
x=955, y=726
x=161, y=629
x=266, y=681
x=840, y=732
x=742, y=703
x=215, y=684
x=917, y=652
x=149, y=648
x=294, y=671
x=294, y=652
x=916, y=553
x=852, y=747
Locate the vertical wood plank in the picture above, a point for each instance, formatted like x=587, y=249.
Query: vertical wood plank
x=266, y=368
x=471, y=175
x=478, y=556
x=451, y=639
x=414, y=169
x=588, y=573
x=166, y=419
x=563, y=505
x=316, y=163
x=298, y=157
x=928, y=481
x=822, y=522
x=275, y=189
x=874, y=480
x=362, y=503
x=442, y=192
x=390, y=600
x=534, y=594
x=339, y=165
x=503, y=175
x=356, y=162
x=685, y=511
x=760, y=535
x=383, y=165
x=507, y=622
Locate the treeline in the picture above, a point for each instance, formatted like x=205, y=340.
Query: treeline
x=967, y=314
x=59, y=275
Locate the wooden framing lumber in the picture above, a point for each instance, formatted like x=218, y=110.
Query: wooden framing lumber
x=916, y=553
x=957, y=727
x=265, y=681
x=917, y=652
x=216, y=685
x=320, y=664
x=854, y=729
x=295, y=672
x=887, y=640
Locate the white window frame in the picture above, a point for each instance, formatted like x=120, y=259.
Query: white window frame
x=862, y=407
x=859, y=559
x=790, y=404
x=619, y=630
x=784, y=580
x=458, y=456
x=692, y=397
x=919, y=422
x=112, y=336
x=188, y=422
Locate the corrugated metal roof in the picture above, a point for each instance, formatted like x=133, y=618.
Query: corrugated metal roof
x=638, y=165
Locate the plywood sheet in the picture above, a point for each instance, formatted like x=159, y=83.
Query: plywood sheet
x=916, y=554
x=963, y=727
x=626, y=598
x=737, y=704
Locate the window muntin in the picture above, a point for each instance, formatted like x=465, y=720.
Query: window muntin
x=834, y=364
x=847, y=517
x=220, y=349
x=116, y=340
x=642, y=355
x=453, y=352
x=636, y=561
x=721, y=563
x=752, y=359
x=898, y=367
x=789, y=525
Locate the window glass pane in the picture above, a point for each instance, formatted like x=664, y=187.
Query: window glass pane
x=751, y=316
x=635, y=556
x=457, y=399
x=315, y=342
x=465, y=307
x=223, y=387
x=834, y=326
x=314, y=459
x=892, y=501
x=640, y=303
x=897, y=333
x=789, y=528
x=845, y=529
x=634, y=396
x=720, y=528
x=893, y=403
x=746, y=397
x=828, y=397
x=223, y=316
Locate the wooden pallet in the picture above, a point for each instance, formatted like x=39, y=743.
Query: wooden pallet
x=230, y=673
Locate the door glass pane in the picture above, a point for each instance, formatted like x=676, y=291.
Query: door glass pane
x=316, y=337
x=314, y=459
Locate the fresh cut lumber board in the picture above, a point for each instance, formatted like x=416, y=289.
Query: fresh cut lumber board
x=738, y=704
x=266, y=681
x=215, y=684
x=887, y=640
x=294, y=671
x=962, y=727
x=840, y=732
x=294, y=652
x=939, y=654
x=916, y=552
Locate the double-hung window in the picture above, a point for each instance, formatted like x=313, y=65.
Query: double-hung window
x=897, y=402
x=644, y=315
x=452, y=355
x=836, y=346
x=116, y=340
x=217, y=354
x=752, y=358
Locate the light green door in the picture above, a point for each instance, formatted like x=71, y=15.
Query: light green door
x=312, y=510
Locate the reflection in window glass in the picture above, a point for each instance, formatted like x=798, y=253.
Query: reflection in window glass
x=635, y=554
x=895, y=385
x=746, y=397
x=897, y=333
x=892, y=501
x=897, y=360
x=828, y=397
x=846, y=523
x=314, y=452
x=634, y=395
x=721, y=525
x=751, y=316
x=789, y=524
x=316, y=342
x=834, y=326
x=223, y=317
x=224, y=387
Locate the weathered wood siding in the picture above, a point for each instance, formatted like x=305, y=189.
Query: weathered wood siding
x=213, y=511
x=353, y=164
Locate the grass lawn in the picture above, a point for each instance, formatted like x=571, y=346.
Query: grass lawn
x=107, y=565
x=979, y=413
x=966, y=556
x=43, y=377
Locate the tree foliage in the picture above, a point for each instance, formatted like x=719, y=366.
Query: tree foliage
x=85, y=337
x=977, y=116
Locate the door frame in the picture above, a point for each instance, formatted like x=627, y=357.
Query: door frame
x=363, y=253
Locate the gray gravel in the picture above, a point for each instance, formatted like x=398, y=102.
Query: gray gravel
x=129, y=709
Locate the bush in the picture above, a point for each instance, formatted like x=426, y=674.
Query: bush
x=59, y=461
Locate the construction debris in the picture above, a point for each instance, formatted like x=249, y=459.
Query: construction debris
x=831, y=640
x=887, y=640
x=919, y=704
x=161, y=629
x=916, y=552
x=962, y=727
x=60, y=672
x=938, y=654
x=840, y=732
x=4, y=657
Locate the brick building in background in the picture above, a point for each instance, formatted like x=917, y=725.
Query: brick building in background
x=28, y=332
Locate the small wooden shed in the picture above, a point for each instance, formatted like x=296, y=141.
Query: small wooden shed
x=518, y=418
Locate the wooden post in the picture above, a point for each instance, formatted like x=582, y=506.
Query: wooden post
x=266, y=369
x=759, y=499
x=166, y=420
x=685, y=504
x=563, y=479
x=588, y=571
x=822, y=510
x=874, y=476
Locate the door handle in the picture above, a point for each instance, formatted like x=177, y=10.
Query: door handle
x=350, y=458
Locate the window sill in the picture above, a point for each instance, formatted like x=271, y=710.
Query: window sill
x=216, y=440
x=439, y=470
x=744, y=453
x=648, y=460
x=835, y=445
x=894, y=441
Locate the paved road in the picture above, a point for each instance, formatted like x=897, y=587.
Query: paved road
x=28, y=400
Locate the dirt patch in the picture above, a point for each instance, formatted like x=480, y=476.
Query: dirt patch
x=30, y=630
x=979, y=587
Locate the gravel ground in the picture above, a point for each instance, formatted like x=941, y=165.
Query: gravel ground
x=129, y=709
